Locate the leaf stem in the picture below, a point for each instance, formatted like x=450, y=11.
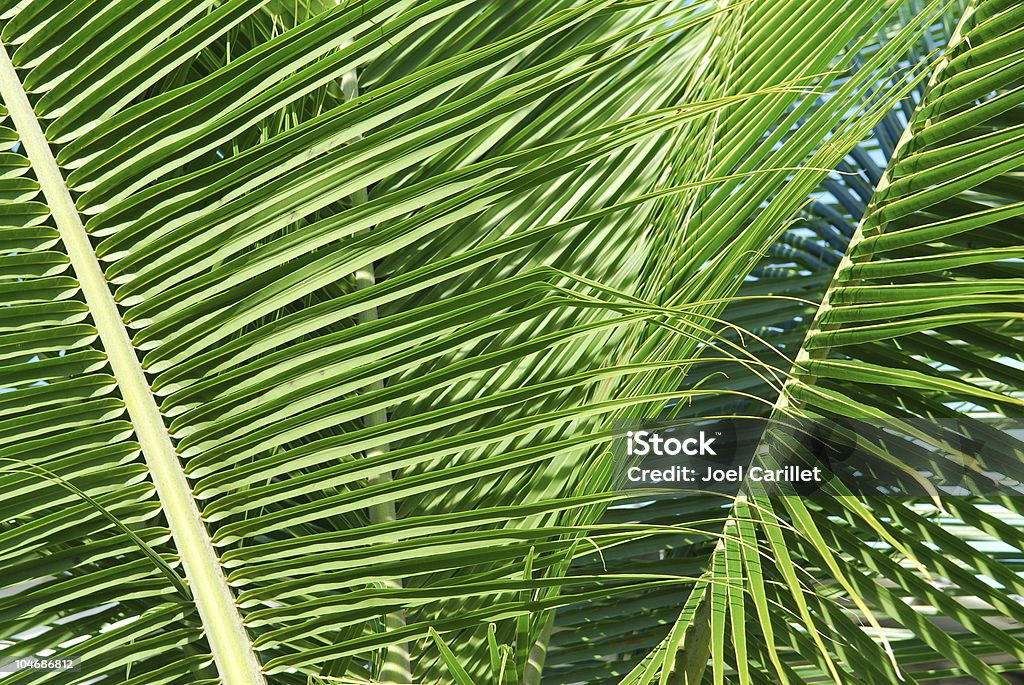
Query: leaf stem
x=397, y=667
x=229, y=642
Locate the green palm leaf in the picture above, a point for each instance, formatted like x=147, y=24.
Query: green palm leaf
x=912, y=327
x=319, y=315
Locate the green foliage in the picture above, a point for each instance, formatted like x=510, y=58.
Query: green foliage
x=319, y=317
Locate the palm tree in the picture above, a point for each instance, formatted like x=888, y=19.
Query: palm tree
x=321, y=317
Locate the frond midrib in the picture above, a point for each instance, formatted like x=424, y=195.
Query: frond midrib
x=229, y=642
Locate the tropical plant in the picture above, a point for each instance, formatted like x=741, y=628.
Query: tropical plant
x=319, y=318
